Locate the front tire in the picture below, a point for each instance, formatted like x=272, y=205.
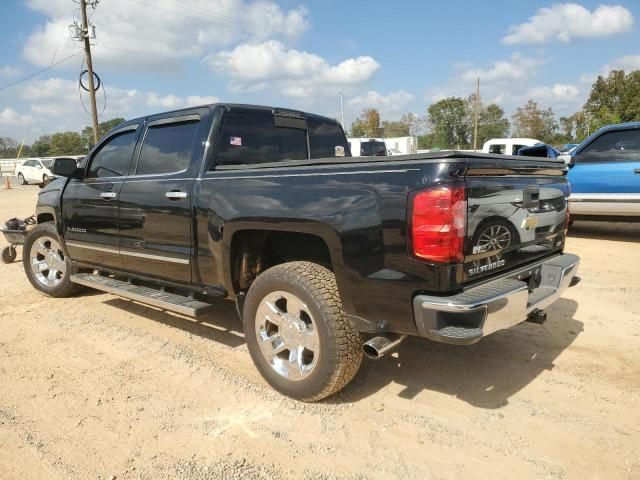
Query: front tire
x=9, y=254
x=297, y=333
x=47, y=267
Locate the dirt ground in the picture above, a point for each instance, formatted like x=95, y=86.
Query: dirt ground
x=99, y=387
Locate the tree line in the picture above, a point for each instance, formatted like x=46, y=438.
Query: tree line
x=449, y=123
x=57, y=144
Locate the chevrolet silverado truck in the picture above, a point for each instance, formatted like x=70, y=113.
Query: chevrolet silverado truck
x=327, y=257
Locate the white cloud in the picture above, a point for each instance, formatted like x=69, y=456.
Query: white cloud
x=173, y=101
x=9, y=118
x=296, y=73
x=393, y=102
x=628, y=63
x=557, y=92
x=158, y=35
x=565, y=22
x=9, y=71
x=511, y=83
x=501, y=71
x=54, y=106
x=391, y=106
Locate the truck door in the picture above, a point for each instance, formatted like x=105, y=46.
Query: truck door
x=90, y=205
x=155, y=201
x=605, y=178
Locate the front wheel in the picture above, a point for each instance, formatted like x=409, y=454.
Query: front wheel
x=297, y=333
x=9, y=254
x=47, y=267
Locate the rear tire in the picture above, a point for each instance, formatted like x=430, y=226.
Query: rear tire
x=292, y=304
x=47, y=267
x=21, y=179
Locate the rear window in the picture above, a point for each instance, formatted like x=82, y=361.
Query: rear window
x=254, y=138
x=372, y=149
x=327, y=140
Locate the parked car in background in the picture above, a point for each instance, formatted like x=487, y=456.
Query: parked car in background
x=605, y=175
x=507, y=146
x=34, y=170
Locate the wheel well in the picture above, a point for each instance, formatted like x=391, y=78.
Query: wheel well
x=254, y=251
x=45, y=217
x=496, y=219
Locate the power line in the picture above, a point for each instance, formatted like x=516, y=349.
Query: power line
x=222, y=20
x=24, y=79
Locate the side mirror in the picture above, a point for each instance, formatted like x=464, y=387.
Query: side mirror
x=64, y=167
x=567, y=158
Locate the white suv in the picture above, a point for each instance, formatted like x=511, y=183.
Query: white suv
x=34, y=170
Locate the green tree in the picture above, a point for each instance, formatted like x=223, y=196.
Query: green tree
x=533, y=122
x=42, y=146
x=66, y=143
x=395, y=129
x=448, y=120
x=8, y=147
x=491, y=121
x=613, y=99
x=103, y=129
x=367, y=124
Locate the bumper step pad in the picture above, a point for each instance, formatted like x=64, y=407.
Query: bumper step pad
x=150, y=296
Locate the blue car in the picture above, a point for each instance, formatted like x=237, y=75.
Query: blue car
x=605, y=175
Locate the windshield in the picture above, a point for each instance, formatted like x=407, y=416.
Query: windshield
x=373, y=148
x=47, y=163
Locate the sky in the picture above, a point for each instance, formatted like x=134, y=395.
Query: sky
x=157, y=55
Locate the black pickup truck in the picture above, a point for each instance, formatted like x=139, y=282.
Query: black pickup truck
x=326, y=256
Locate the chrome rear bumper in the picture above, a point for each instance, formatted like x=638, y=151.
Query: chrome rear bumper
x=465, y=318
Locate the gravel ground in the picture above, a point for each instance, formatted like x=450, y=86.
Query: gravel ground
x=99, y=387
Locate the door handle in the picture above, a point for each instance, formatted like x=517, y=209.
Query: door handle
x=108, y=195
x=175, y=195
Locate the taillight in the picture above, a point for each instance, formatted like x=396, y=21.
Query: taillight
x=438, y=223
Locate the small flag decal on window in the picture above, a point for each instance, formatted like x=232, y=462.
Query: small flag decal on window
x=236, y=141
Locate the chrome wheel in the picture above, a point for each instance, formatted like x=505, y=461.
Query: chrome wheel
x=495, y=237
x=21, y=179
x=47, y=261
x=287, y=335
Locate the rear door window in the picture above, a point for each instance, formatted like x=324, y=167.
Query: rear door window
x=498, y=148
x=254, y=138
x=114, y=156
x=327, y=140
x=167, y=147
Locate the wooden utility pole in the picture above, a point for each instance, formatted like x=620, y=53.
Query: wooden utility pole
x=475, y=127
x=87, y=54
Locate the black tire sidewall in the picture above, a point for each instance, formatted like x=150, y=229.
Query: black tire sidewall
x=9, y=254
x=21, y=179
x=65, y=287
x=272, y=281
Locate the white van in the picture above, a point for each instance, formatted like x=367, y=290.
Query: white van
x=508, y=146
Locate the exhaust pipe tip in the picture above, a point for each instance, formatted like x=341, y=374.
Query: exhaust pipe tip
x=377, y=347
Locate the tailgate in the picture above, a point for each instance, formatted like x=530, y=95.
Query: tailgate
x=516, y=213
